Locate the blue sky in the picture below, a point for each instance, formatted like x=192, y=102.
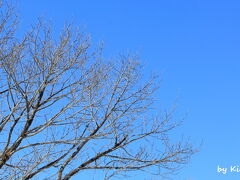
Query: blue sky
x=194, y=44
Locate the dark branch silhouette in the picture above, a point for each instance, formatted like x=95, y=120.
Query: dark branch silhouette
x=64, y=109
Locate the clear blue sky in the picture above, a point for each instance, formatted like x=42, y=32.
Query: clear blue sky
x=194, y=44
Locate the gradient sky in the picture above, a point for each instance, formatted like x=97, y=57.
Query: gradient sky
x=193, y=44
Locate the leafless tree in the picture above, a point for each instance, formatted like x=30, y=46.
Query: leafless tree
x=63, y=109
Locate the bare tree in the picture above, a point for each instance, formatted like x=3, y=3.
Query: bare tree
x=64, y=110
